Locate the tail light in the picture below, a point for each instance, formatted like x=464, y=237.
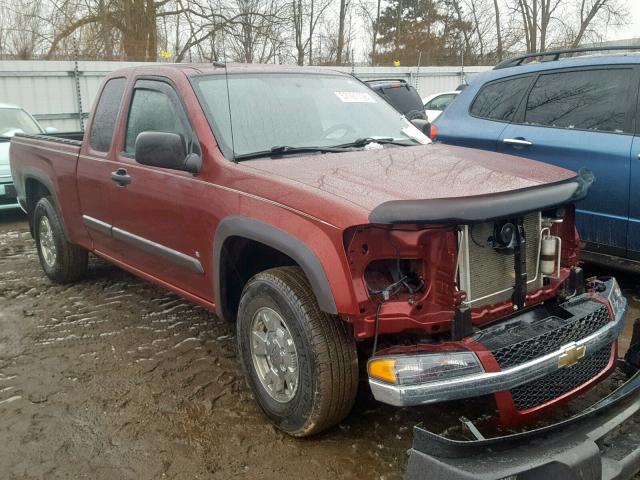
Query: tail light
x=433, y=132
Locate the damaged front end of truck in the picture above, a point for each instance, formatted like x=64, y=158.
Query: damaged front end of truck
x=483, y=297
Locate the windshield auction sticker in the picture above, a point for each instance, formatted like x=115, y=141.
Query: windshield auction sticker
x=355, y=97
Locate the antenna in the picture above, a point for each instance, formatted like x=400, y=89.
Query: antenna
x=226, y=77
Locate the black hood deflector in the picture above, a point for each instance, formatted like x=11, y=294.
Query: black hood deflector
x=482, y=208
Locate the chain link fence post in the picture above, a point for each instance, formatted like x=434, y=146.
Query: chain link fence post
x=76, y=77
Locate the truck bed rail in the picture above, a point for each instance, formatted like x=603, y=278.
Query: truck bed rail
x=67, y=138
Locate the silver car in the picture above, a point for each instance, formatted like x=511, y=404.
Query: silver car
x=13, y=119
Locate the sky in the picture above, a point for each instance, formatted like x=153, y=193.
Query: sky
x=632, y=30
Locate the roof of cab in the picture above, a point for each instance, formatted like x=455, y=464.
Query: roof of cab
x=192, y=69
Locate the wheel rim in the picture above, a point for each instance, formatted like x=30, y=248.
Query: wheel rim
x=47, y=242
x=274, y=354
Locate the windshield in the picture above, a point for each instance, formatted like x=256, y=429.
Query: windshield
x=16, y=120
x=297, y=110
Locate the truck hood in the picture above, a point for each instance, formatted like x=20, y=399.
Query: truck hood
x=372, y=178
x=4, y=159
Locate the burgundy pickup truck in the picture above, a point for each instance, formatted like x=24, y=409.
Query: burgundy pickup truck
x=298, y=204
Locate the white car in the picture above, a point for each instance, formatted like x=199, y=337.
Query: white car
x=13, y=119
x=435, y=104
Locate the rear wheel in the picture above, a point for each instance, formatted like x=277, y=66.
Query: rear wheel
x=300, y=362
x=61, y=261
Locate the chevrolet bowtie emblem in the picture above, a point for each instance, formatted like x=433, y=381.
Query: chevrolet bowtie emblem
x=571, y=354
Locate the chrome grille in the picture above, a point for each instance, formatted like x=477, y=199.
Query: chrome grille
x=488, y=276
x=534, y=347
x=563, y=381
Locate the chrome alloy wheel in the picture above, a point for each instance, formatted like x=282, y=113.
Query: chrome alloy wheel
x=274, y=354
x=47, y=242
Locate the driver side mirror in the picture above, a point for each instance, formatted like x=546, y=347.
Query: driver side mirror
x=165, y=150
x=423, y=125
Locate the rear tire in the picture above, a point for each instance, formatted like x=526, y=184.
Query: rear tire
x=300, y=362
x=62, y=261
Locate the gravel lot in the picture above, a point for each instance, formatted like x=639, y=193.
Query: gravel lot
x=115, y=378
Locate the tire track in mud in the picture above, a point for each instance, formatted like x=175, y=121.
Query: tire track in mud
x=130, y=381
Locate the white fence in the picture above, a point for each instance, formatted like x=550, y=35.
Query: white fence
x=60, y=95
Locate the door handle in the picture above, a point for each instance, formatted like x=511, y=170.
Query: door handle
x=518, y=142
x=121, y=177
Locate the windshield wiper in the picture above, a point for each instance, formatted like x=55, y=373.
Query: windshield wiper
x=363, y=142
x=281, y=150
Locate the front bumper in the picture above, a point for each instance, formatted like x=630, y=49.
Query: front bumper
x=475, y=385
x=600, y=443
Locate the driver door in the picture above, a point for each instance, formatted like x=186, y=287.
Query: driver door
x=155, y=210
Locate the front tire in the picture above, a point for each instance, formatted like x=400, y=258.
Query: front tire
x=301, y=363
x=62, y=261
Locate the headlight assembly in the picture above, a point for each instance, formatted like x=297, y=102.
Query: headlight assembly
x=418, y=369
x=616, y=299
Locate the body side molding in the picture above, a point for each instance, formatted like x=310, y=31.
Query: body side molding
x=97, y=225
x=178, y=258
x=175, y=257
x=238, y=226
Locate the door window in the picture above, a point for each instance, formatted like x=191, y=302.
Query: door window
x=104, y=120
x=151, y=111
x=500, y=100
x=584, y=100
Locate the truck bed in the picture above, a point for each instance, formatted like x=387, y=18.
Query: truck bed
x=50, y=160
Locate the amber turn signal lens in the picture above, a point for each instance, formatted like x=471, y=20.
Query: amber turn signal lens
x=383, y=369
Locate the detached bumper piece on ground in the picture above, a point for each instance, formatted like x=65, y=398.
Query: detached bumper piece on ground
x=600, y=443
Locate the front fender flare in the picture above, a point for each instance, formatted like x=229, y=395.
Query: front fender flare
x=239, y=226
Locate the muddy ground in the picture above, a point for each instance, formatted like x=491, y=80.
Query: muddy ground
x=115, y=378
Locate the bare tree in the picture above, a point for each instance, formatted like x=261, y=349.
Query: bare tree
x=23, y=26
x=256, y=36
x=611, y=11
x=305, y=16
x=341, y=23
x=496, y=9
x=301, y=31
x=536, y=19
x=375, y=33
x=136, y=20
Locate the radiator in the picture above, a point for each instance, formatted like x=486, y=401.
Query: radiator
x=488, y=276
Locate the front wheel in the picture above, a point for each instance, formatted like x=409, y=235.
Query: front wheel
x=300, y=362
x=62, y=261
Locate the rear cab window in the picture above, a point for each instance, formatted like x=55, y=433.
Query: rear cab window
x=104, y=119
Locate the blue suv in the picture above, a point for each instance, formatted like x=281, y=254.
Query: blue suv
x=579, y=112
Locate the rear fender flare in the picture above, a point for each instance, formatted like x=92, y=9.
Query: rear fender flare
x=280, y=240
x=42, y=177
